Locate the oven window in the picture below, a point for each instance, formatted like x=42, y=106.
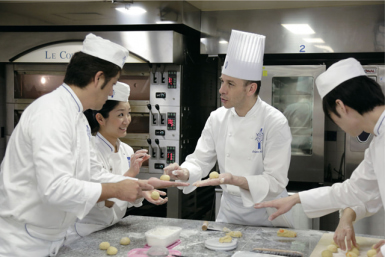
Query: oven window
x=32, y=86
x=293, y=96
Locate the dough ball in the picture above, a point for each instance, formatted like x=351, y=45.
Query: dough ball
x=332, y=248
x=286, y=233
x=234, y=234
x=165, y=177
x=112, y=250
x=225, y=239
x=334, y=243
x=351, y=254
x=371, y=253
x=327, y=253
x=214, y=174
x=125, y=241
x=155, y=195
x=356, y=251
x=104, y=245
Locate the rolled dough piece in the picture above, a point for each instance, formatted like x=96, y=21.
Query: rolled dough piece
x=327, y=253
x=104, y=245
x=234, y=234
x=165, y=177
x=112, y=250
x=332, y=248
x=214, y=174
x=371, y=253
x=155, y=195
x=125, y=241
x=225, y=239
x=286, y=233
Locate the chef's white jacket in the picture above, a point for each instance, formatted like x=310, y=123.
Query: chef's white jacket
x=45, y=178
x=365, y=187
x=101, y=216
x=256, y=147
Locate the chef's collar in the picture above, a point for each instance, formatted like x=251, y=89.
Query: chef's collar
x=379, y=127
x=106, y=148
x=77, y=104
x=251, y=111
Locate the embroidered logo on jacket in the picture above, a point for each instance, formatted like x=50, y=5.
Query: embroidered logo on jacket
x=129, y=161
x=259, y=139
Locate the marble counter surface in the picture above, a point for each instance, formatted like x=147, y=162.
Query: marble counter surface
x=192, y=238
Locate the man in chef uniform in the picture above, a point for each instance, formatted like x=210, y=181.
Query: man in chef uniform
x=249, y=138
x=46, y=179
x=355, y=103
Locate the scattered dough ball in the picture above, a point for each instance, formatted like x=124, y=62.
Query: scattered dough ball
x=104, y=245
x=286, y=233
x=112, y=250
x=125, y=241
x=332, y=248
x=226, y=229
x=214, y=174
x=371, y=253
x=356, y=251
x=234, y=234
x=165, y=177
x=351, y=254
x=155, y=195
x=327, y=253
x=334, y=243
x=225, y=239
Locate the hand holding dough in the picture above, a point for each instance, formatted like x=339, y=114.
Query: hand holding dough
x=214, y=174
x=112, y=250
x=125, y=241
x=104, y=245
x=155, y=195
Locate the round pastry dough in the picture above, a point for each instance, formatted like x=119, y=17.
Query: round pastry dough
x=332, y=248
x=225, y=239
x=125, y=241
x=371, y=253
x=104, y=245
x=356, y=251
x=214, y=174
x=165, y=177
x=155, y=195
x=351, y=254
x=327, y=253
x=112, y=250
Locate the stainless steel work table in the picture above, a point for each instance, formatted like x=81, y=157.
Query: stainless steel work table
x=192, y=238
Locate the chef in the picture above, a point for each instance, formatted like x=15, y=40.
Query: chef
x=249, y=138
x=46, y=177
x=109, y=124
x=355, y=103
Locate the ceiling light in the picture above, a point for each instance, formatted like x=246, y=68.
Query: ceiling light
x=314, y=40
x=325, y=48
x=301, y=29
x=132, y=10
x=223, y=42
x=164, y=22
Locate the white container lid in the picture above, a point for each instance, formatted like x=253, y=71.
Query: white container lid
x=214, y=244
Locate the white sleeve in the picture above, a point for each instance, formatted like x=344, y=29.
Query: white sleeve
x=276, y=161
x=361, y=189
x=52, y=135
x=203, y=159
x=370, y=208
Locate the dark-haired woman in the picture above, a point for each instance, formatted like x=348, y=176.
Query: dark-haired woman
x=108, y=125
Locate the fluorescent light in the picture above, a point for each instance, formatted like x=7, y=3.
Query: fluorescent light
x=325, y=48
x=133, y=10
x=164, y=22
x=223, y=42
x=314, y=40
x=301, y=29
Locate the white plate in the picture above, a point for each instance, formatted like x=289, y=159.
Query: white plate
x=251, y=254
x=213, y=244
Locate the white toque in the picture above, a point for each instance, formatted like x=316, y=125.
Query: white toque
x=121, y=92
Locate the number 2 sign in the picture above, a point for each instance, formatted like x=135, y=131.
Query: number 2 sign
x=302, y=48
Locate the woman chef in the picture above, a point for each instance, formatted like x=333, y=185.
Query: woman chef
x=249, y=138
x=355, y=103
x=109, y=124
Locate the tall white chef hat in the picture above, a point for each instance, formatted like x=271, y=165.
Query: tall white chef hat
x=337, y=73
x=121, y=92
x=105, y=49
x=244, y=59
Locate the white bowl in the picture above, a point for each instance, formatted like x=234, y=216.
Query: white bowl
x=162, y=235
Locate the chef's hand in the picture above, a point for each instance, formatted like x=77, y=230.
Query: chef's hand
x=160, y=201
x=345, y=229
x=126, y=190
x=136, y=162
x=157, y=183
x=283, y=205
x=176, y=172
x=377, y=248
x=224, y=178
